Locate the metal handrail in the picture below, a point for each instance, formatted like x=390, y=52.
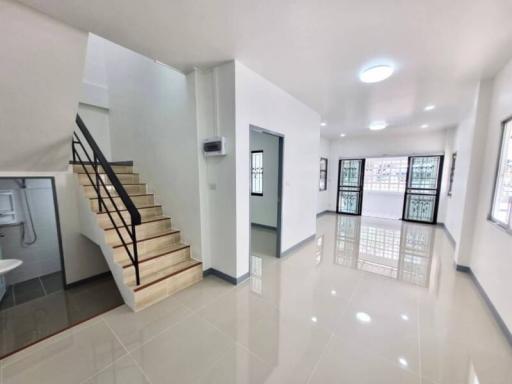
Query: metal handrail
x=100, y=160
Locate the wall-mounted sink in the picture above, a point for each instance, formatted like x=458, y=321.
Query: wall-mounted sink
x=8, y=265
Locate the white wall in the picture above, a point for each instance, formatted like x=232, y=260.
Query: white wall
x=264, y=208
x=379, y=144
x=323, y=196
x=42, y=257
x=39, y=92
x=40, y=76
x=386, y=205
x=260, y=103
x=215, y=116
x=152, y=122
x=491, y=259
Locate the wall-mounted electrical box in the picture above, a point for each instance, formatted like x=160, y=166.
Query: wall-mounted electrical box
x=7, y=208
x=214, y=146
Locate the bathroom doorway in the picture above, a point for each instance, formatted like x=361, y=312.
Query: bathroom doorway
x=30, y=246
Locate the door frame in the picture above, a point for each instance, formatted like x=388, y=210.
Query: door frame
x=361, y=183
x=280, y=169
x=438, y=190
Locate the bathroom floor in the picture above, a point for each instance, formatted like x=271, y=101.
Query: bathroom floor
x=40, y=307
x=32, y=289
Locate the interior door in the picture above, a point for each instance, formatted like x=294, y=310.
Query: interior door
x=423, y=189
x=350, y=186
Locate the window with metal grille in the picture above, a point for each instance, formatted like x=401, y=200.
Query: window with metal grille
x=385, y=174
x=257, y=173
x=323, y=174
x=501, y=211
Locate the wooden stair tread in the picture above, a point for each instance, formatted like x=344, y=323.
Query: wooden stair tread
x=121, y=210
x=124, y=209
x=146, y=256
x=150, y=237
x=130, y=195
x=165, y=273
x=144, y=220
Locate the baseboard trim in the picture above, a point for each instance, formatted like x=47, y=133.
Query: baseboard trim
x=298, y=245
x=225, y=277
x=492, y=308
x=264, y=226
x=326, y=212
x=88, y=279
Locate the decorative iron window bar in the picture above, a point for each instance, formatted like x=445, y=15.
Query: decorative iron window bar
x=98, y=160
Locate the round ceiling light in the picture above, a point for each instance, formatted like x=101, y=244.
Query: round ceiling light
x=378, y=125
x=425, y=126
x=376, y=73
x=342, y=135
x=430, y=107
x=323, y=124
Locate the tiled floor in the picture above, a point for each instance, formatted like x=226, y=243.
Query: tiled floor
x=41, y=307
x=32, y=289
x=368, y=301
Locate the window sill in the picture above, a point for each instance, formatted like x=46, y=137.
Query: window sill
x=499, y=225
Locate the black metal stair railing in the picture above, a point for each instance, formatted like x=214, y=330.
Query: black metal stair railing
x=98, y=160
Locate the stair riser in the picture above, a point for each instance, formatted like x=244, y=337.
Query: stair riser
x=123, y=178
x=145, y=213
x=130, y=189
x=116, y=168
x=143, y=230
x=165, y=288
x=151, y=245
x=139, y=201
x=155, y=265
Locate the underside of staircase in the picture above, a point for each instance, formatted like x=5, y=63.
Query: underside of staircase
x=165, y=263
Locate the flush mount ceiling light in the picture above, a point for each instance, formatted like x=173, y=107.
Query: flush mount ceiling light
x=378, y=125
x=376, y=73
x=425, y=126
x=430, y=107
x=342, y=135
x=323, y=124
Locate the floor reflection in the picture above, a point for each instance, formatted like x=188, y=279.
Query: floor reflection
x=391, y=248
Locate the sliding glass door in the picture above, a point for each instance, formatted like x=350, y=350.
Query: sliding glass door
x=423, y=189
x=350, y=186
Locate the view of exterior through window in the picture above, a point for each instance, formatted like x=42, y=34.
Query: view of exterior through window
x=385, y=174
x=502, y=203
x=257, y=173
x=323, y=174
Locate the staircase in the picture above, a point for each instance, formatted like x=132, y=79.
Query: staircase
x=143, y=250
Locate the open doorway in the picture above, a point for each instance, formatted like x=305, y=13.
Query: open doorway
x=266, y=170
x=384, y=187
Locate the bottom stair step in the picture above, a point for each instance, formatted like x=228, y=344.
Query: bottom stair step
x=167, y=282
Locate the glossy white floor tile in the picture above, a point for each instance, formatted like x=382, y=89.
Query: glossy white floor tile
x=367, y=301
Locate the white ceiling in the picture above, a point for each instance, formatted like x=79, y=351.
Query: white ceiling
x=314, y=49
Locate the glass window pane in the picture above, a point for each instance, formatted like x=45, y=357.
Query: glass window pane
x=257, y=172
x=502, y=205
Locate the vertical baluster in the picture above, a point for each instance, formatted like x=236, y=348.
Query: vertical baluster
x=98, y=189
x=135, y=252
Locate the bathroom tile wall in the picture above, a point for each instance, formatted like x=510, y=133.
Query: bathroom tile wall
x=43, y=257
